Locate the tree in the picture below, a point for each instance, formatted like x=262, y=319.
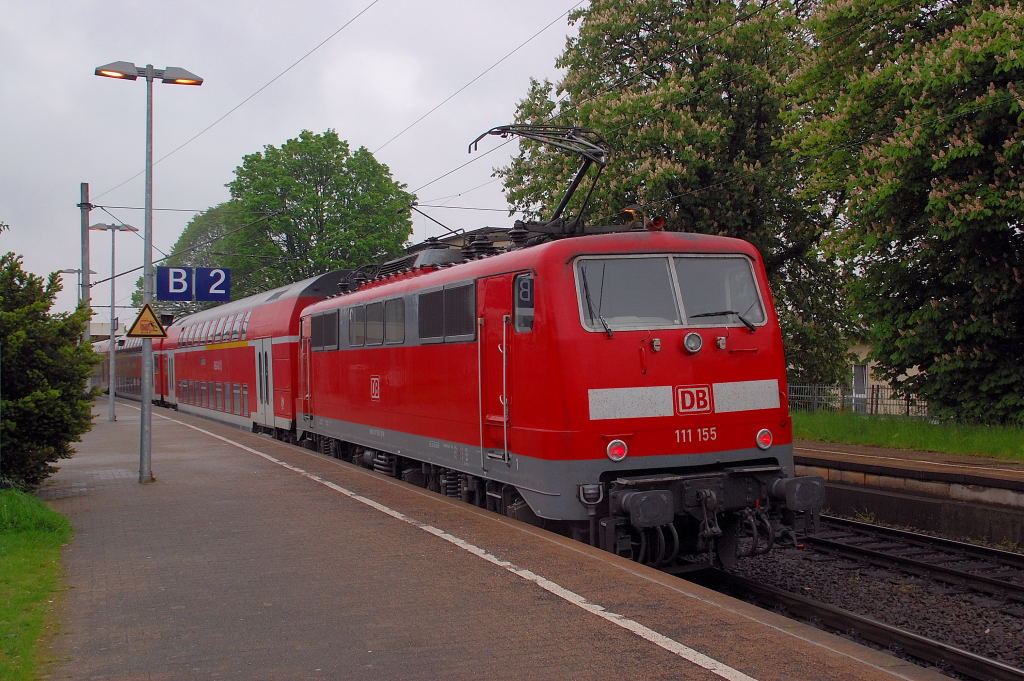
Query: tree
x=44, y=403
x=689, y=96
x=911, y=120
x=313, y=205
x=201, y=245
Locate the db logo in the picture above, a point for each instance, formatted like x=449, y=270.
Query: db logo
x=374, y=387
x=693, y=399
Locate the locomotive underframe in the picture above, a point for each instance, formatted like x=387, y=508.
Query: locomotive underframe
x=716, y=505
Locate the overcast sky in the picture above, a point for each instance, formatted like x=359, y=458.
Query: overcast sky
x=62, y=125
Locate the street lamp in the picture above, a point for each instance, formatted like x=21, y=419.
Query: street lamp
x=172, y=75
x=112, y=350
x=79, y=285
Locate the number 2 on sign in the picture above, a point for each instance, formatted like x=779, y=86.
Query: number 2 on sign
x=688, y=435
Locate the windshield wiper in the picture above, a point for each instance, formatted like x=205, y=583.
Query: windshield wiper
x=720, y=313
x=590, y=304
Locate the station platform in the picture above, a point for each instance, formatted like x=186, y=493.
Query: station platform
x=975, y=497
x=925, y=466
x=251, y=559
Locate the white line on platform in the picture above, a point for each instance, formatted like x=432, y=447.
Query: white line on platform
x=720, y=669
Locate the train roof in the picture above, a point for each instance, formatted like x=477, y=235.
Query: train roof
x=454, y=268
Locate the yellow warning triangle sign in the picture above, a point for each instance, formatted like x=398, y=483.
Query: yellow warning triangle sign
x=146, y=325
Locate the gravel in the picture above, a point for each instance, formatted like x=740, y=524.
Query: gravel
x=979, y=623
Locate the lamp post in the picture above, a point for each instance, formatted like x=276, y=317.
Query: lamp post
x=172, y=75
x=112, y=350
x=78, y=286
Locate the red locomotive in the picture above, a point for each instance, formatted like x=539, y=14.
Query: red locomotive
x=627, y=388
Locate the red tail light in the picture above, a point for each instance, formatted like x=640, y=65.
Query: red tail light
x=617, y=450
x=764, y=438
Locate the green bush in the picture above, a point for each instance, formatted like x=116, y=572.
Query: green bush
x=44, y=369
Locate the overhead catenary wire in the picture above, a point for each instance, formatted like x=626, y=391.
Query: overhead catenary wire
x=476, y=78
x=247, y=99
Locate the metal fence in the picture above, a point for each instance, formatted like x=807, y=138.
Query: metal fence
x=876, y=399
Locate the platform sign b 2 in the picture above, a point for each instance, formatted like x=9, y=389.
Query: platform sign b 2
x=193, y=283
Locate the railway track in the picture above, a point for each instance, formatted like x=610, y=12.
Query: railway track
x=950, y=604
x=965, y=663
x=978, y=568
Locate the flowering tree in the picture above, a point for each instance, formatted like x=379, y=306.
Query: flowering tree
x=911, y=120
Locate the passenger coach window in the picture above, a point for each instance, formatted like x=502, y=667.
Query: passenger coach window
x=394, y=321
x=523, y=294
x=357, y=326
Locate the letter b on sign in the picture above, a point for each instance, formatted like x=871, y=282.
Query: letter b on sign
x=174, y=283
x=693, y=399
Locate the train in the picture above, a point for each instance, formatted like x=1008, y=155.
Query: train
x=624, y=385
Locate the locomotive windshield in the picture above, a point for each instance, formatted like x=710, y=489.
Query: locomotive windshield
x=656, y=292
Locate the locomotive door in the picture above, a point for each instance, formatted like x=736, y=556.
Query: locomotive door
x=264, y=382
x=494, y=324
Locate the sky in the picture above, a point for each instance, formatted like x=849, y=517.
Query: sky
x=395, y=61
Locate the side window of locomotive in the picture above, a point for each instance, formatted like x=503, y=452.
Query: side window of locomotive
x=394, y=321
x=447, y=315
x=324, y=331
x=459, y=313
x=431, y=315
x=375, y=324
x=357, y=326
x=626, y=293
x=719, y=291
x=522, y=291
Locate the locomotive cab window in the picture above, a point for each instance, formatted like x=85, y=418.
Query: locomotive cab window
x=626, y=293
x=523, y=293
x=719, y=291
x=660, y=292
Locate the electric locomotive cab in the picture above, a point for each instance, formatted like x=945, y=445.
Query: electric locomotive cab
x=689, y=406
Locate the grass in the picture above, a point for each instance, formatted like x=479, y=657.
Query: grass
x=1002, y=442
x=30, y=539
